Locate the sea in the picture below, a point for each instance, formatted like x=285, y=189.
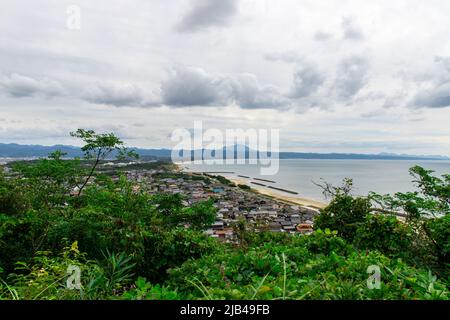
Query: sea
x=300, y=175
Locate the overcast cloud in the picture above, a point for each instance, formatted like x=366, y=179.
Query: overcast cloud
x=351, y=29
x=374, y=75
x=351, y=76
x=204, y=14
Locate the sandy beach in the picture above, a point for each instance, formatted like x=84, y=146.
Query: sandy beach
x=278, y=195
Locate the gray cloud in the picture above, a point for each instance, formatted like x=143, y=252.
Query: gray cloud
x=23, y=86
x=437, y=93
x=351, y=29
x=185, y=86
x=207, y=13
x=437, y=97
x=322, y=36
x=249, y=94
x=20, y=86
x=287, y=57
x=188, y=86
x=119, y=96
x=307, y=80
x=443, y=61
x=351, y=76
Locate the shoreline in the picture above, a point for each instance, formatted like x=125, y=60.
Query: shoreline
x=272, y=193
x=299, y=201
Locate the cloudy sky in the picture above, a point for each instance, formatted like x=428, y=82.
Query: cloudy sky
x=332, y=75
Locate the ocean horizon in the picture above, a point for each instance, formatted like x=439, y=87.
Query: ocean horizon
x=300, y=175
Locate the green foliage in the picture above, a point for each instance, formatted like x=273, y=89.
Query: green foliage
x=385, y=234
x=200, y=215
x=168, y=204
x=111, y=277
x=427, y=212
x=12, y=199
x=419, y=240
x=98, y=147
x=438, y=230
x=326, y=242
x=110, y=216
x=169, y=249
x=243, y=232
x=344, y=214
x=45, y=277
x=48, y=182
x=182, y=175
x=433, y=186
x=23, y=235
x=143, y=290
x=224, y=181
x=120, y=235
x=431, y=200
x=292, y=271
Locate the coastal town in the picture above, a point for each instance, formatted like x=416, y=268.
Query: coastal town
x=233, y=202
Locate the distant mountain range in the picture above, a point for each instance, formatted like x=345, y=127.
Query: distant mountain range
x=28, y=151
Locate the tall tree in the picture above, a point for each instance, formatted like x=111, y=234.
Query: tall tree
x=98, y=147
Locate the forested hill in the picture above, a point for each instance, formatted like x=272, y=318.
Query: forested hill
x=24, y=151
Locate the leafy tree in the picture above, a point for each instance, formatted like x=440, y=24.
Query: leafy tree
x=432, y=199
x=168, y=204
x=12, y=198
x=200, y=215
x=416, y=237
x=344, y=214
x=170, y=248
x=331, y=191
x=385, y=234
x=172, y=212
x=49, y=180
x=438, y=231
x=98, y=147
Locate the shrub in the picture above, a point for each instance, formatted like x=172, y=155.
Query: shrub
x=169, y=249
x=438, y=230
x=21, y=237
x=294, y=272
x=326, y=242
x=200, y=215
x=12, y=199
x=45, y=277
x=385, y=234
x=143, y=290
x=344, y=214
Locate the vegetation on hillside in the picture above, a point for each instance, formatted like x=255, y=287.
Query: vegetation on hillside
x=128, y=244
